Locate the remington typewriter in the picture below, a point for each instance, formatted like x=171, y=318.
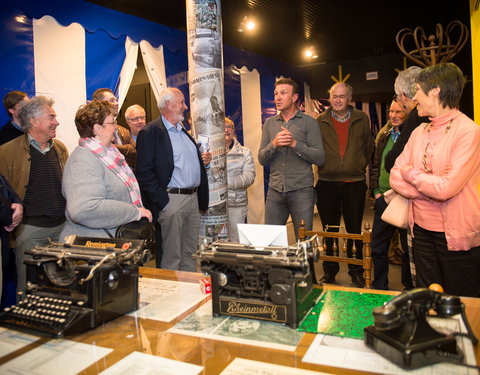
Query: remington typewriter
x=269, y=283
x=77, y=285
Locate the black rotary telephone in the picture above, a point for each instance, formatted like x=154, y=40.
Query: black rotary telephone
x=402, y=334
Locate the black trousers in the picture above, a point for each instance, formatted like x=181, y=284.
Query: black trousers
x=457, y=271
x=382, y=234
x=335, y=199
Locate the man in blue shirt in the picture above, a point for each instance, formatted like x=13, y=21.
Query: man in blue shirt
x=173, y=181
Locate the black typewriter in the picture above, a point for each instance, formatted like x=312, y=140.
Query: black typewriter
x=77, y=285
x=269, y=283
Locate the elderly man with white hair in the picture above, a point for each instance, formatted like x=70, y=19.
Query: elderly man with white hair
x=173, y=180
x=33, y=164
x=136, y=119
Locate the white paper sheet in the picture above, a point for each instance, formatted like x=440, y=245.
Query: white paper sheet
x=265, y=334
x=262, y=235
x=56, y=357
x=241, y=366
x=12, y=340
x=145, y=364
x=354, y=354
x=165, y=300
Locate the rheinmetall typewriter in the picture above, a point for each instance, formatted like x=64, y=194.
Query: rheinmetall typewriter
x=269, y=283
x=77, y=285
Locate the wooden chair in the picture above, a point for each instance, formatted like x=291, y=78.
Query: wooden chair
x=340, y=255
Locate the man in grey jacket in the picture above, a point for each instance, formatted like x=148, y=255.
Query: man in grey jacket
x=291, y=143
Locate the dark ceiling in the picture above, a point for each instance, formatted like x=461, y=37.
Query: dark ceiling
x=339, y=29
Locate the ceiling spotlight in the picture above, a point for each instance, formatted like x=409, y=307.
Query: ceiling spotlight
x=247, y=25
x=310, y=53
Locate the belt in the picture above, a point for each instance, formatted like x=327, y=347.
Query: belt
x=181, y=191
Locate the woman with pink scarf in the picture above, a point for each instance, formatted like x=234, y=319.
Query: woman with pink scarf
x=439, y=171
x=101, y=190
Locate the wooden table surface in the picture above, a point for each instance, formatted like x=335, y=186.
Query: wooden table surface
x=128, y=334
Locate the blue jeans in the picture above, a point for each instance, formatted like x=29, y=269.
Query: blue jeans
x=297, y=203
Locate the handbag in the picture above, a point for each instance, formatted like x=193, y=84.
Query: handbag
x=396, y=212
x=137, y=230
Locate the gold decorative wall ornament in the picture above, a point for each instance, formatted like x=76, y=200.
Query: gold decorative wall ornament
x=434, y=49
x=340, y=76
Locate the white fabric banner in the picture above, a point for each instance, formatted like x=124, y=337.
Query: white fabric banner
x=128, y=70
x=252, y=135
x=155, y=67
x=59, y=59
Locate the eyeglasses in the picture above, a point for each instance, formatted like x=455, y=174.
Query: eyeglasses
x=110, y=123
x=230, y=127
x=137, y=119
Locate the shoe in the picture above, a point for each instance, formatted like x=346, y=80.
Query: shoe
x=358, y=280
x=328, y=278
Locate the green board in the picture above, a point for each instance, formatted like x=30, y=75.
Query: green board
x=341, y=313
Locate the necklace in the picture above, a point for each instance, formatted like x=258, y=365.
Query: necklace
x=424, y=158
x=343, y=118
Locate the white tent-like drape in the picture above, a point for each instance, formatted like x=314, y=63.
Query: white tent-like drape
x=155, y=67
x=60, y=70
x=128, y=70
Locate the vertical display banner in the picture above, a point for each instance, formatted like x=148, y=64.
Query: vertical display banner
x=207, y=106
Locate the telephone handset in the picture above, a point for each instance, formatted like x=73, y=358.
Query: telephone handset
x=402, y=334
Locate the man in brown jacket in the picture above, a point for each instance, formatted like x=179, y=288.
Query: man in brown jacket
x=33, y=164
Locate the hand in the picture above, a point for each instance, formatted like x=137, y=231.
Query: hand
x=9, y=228
x=206, y=158
x=284, y=138
x=145, y=213
x=17, y=214
x=378, y=195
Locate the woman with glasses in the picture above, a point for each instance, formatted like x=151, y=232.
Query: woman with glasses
x=439, y=171
x=101, y=190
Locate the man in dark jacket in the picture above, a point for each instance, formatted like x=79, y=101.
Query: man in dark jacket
x=12, y=129
x=11, y=213
x=383, y=232
x=405, y=91
x=173, y=181
x=341, y=187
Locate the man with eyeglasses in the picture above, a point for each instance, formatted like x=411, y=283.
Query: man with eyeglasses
x=136, y=119
x=341, y=187
x=33, y=164
x=382, y=232
x=122, y=139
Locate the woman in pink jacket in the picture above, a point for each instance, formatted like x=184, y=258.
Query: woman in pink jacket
x=439, y=171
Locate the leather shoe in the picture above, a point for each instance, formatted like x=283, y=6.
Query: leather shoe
x=328, y=278
x=358, y=280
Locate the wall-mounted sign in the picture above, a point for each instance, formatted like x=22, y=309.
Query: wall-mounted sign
x=371, y=76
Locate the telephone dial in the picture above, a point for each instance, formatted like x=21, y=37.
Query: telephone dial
x=402, y=334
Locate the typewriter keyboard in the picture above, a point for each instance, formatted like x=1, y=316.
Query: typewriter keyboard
x=48, y=315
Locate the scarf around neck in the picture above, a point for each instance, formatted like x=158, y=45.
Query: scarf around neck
x=115, y=161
